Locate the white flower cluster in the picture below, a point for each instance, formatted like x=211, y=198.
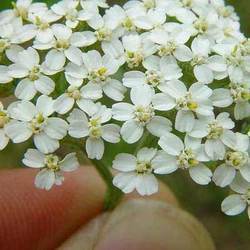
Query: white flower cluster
x=177, y=71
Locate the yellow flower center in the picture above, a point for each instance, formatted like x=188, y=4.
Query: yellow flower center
x=236, y=159
x=143, y=167
x=144, y=114
x=51, y=162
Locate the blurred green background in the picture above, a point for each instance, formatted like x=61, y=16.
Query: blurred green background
x=229, y=233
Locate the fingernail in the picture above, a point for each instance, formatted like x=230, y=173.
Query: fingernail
x=149, y=224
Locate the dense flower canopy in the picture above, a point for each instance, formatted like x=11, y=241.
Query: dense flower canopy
x=170, y=76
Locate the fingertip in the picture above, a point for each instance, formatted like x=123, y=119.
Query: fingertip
x=38, y=219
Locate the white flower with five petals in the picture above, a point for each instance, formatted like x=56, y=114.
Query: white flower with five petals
x=188, y=155
x=140, y=115
x=94, y=129
x=27, y=66
x=236, y=159
x=51, y=167
x=28, y=120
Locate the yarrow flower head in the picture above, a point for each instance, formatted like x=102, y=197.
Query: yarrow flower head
x=148, y=88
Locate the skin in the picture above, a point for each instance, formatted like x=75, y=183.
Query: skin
x=70, y=217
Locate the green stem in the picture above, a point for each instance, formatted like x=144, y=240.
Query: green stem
x=113, y=194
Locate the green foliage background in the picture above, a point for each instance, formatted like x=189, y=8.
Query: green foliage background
x=204, y=202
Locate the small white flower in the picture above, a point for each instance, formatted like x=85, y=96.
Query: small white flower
x=65, y=44
x=137, y=48
x=187, y=156
x=21, y=11
x=83, y=97
x=68, y=10
x=217, y=132
x=235, y=160
x=94, y=128
x=43, y=21
x=139, y=115
x=238, y=94
x=29, y=120
x=236, y=203
x=158, y=72
x=12, y=34
x=171, y=41
x=187, y=102
x=4, y=120
x=99, y=71
x=51, y=168
x=205, y=67
x=237, y=63
x=27, y=66
x=137, y=171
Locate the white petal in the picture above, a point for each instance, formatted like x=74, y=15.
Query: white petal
x=92, y=91
x=203, y=74
x=45, y=179
x=221, y=98
x=124, y=162
x=79, y=129
x=223, y=175
x=224, y=120
x=45, y=85
x=164, y=163
x=18, y=71
x=183, y=53
x=69, y=163
x=159, y=125
x=95, y=148
x=125, y=181
x=146, y=154
x=111, y=133
x=171, y=144
x=34, y=158
x=74, y=55
x=18, y=131
x=114, y=90
x=184, y=121
x=83, y=39
x=23, y=110
x=201, y=174
x=245, y=172
x=131, y=131
x=147, y=184
x=25, y=90
x=4, y=75
x=122, y=111
x=45, y=143
x=139, y=91
x=233, y=205
x=63, y=104
x=215, y=149
x=87, y=106
x=4, y=139
x=55, y=60
x=56, y=128
x=29, y=58
x=229, y=138
x=45, y=105
x=133, y=78
x=241, y=110
x=176, y=89
x=163, y=102
x=61, y=31
x=200, y=91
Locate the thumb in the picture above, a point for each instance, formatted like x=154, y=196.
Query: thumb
x=142, y=224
